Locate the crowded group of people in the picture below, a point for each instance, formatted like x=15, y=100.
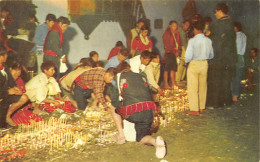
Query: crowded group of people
x=210, y=56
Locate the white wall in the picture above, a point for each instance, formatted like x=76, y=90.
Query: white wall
x=166, y=10
x=102, y=39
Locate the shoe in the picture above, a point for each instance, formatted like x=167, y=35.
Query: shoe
x=202, y=110
x=160, y=148
x=235, y=99
x=194, y=113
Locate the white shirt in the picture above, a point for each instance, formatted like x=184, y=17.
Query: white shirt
x=37, y=88
x=199, y=48
x=135, y=64
x=152, y=72
x=241, y=43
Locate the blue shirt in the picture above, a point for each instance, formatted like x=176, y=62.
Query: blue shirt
x=241, y=43
x=40, y=35
x=199, y=48
x=114, y=62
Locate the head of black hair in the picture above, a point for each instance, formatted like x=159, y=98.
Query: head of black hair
x=122, y=66
x=173, y=21
x=119, y=44
x=222, y=7
x=111, y=71
x=15, y=65
x=87, y=62
x=146, y=54
x=124, y=52
x=63, y=20
x=238, y=25
x=92, y=53
x=199, y=25
x=47, y=65
x=145, y=28
x=3, y=50
x=50, y=17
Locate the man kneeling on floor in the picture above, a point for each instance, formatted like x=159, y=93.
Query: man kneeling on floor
x=137, y=106
x=37, y=91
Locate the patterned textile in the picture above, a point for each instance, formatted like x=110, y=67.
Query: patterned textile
x=126, y=111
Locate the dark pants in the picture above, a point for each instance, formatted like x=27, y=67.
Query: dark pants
x=236, y=82
x=81, y=95
x=143, y=123
x=4, y=105
x=3, y=108
x=219, y=86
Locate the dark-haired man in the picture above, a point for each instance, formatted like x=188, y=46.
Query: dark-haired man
x=115, y=60
x=37, y=90
x=138, y=63
x=53, y=43
x=94, y=81
x=222, y=68
x=199, y=51
x=39, y=38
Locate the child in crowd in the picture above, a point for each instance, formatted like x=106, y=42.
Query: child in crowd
x=114, y=51
x=94, y=56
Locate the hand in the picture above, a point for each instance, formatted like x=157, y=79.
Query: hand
x=177, y=54
x=64, y=59
x=108, y=98
x=160, y=91
x=15, y=91
x=56, y=103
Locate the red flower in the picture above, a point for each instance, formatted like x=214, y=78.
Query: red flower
x=125, y=85
x=145, y=83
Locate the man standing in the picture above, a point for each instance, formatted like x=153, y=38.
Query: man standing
x=198, y=52
x=53, y=43
x=134, y=33
x=241, y=49
x=172, y=46
x=39, y=38
x=181, y=71
x=223, y=67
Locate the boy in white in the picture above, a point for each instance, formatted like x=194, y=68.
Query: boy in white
x=37, y=90
x=198, y=52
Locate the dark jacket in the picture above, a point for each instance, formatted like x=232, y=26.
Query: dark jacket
x=224, y=43
x=134, y=89
x=53, y=41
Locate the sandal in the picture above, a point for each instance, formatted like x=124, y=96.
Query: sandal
x=160, y=148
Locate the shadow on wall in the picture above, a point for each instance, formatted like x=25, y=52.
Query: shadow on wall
x=69, y=35
x=155, y=49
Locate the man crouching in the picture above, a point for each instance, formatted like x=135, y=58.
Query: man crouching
x=137, y=106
